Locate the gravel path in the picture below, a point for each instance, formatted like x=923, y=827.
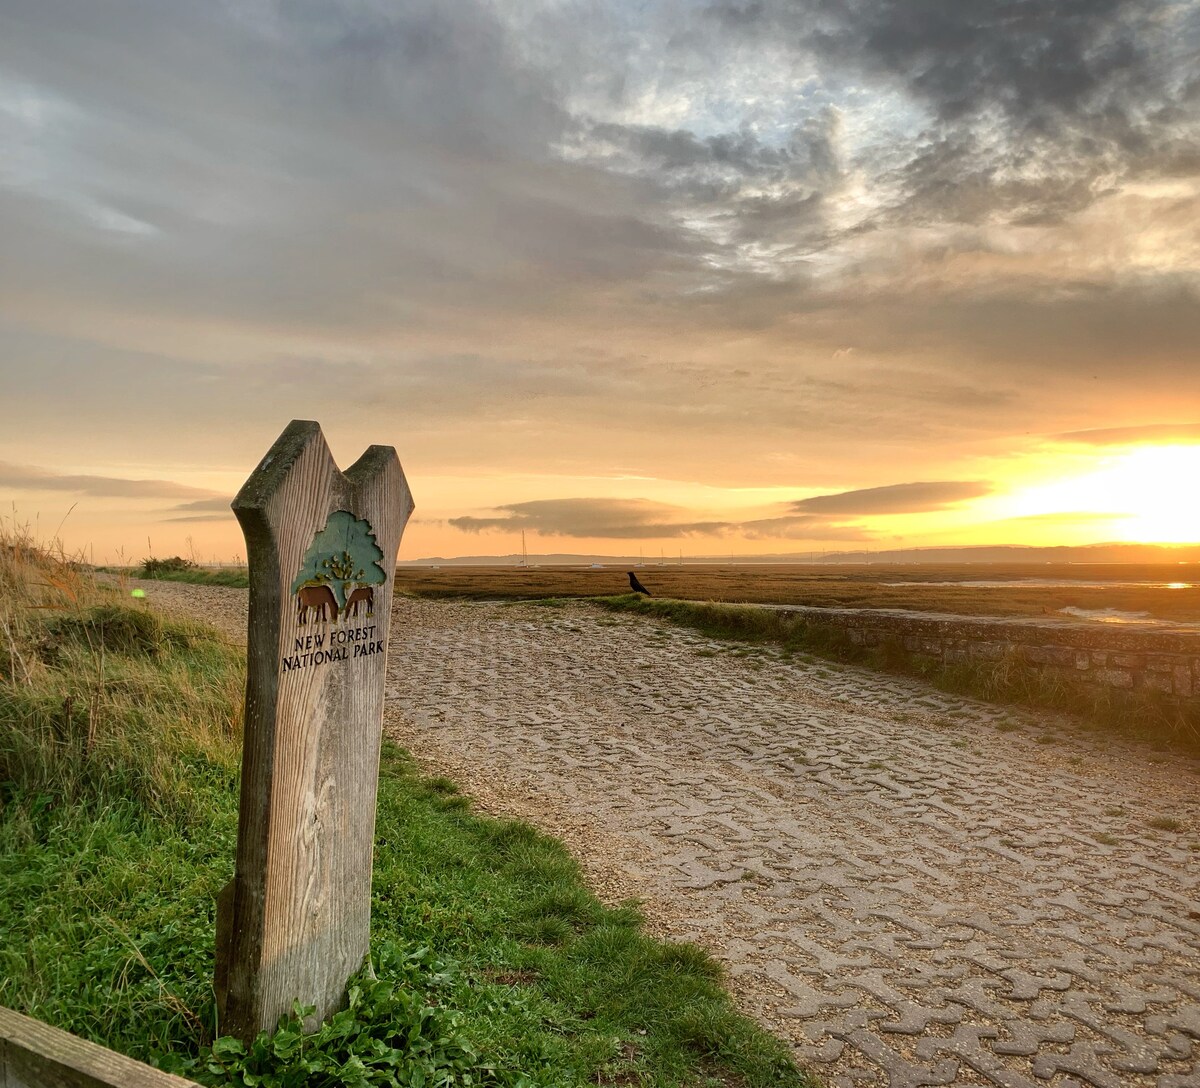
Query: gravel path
x=914, y=889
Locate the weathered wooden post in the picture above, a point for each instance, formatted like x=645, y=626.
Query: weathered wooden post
x=294, y=923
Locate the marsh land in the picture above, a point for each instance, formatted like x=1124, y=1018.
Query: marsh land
x=1168, y=592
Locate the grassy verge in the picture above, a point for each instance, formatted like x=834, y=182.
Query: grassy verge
x=496, y=966
x=1009, y=680
x=237, y=577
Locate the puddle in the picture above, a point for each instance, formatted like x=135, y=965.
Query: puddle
x=1108, y=615
x=1047, y=583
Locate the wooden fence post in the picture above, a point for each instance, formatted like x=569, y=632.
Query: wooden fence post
x=35, y=1055
x=294, y=923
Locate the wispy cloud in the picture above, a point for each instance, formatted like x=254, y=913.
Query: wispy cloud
x=804, y=527
x=643, y=519
x=913, y=498
x=32, y=478
x=201, y=510
x=614, y=519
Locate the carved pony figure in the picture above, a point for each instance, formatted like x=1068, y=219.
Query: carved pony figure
x=318, y=598
x=364, y=595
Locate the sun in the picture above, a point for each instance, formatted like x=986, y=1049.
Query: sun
x=1147, y=495
x=1160, y=488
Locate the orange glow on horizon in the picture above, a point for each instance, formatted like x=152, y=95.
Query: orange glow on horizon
x=1044, y=496
x=1140, y=494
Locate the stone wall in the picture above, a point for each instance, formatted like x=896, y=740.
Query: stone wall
x=1127, y=658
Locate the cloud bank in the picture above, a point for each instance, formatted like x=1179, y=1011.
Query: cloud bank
x=781, y=243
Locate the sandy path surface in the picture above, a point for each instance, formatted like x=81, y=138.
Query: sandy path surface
x=914, y=889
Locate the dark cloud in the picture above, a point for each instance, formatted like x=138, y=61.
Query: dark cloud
x=1119, y=436
x=1036, y=63
x=31, y=478
x=1031, y=108
x=911, y=498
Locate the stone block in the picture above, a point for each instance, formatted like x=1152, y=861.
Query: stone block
x=1128, y=661
x=1155, y=682
x=1083, y=660
x=1064, y=656
x=1184, y=684
x=1114, y=678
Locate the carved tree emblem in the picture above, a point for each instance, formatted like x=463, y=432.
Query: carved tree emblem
x=339, y=571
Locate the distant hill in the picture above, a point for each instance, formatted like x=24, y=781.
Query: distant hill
x=1090, y=553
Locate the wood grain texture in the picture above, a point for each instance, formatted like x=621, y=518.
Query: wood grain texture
x=296, y=923
x=35, y=1055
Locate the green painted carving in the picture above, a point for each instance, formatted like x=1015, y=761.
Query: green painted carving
x=344, y=557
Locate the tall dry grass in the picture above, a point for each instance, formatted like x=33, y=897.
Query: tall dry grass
x=101, y=699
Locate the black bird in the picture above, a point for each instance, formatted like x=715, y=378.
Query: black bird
x=637, y=586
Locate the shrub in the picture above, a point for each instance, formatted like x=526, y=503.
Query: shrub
x=156, y=568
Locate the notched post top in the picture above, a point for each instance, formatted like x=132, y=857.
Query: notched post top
x=322, y=543
x=273, y=469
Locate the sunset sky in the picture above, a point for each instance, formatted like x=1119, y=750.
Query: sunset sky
x=725, y=276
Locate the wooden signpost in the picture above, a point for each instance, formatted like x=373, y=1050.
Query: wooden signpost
x=294, y=923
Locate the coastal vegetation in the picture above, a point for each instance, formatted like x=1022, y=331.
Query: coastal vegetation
x=492, y=963
x=1162, y=591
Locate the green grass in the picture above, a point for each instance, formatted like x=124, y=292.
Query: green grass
x=118, y=735
x=178, y=569
x=1143, y=715
x=236, y=577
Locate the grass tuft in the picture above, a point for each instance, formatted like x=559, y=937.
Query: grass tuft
x=1165, y=823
